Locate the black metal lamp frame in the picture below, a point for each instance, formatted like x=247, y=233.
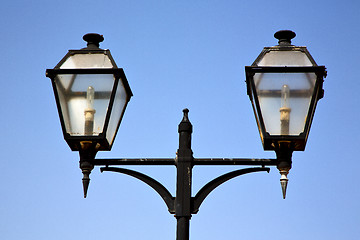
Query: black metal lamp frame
x=74, y=141
x=271, y=142
x=283, y=142
x=100, y=142
x=183, y=205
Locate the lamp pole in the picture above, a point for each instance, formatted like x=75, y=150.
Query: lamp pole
x=184, y=164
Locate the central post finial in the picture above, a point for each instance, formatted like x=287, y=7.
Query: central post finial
x=186, y=115
x=185, y=124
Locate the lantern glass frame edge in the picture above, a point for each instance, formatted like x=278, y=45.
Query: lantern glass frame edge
x=298, y=142
x=119, y=75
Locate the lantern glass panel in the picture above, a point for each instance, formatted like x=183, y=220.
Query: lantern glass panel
x=285, y=58
x=120, y=101
x=92, y=60
x=284, y=100
x=84, y=101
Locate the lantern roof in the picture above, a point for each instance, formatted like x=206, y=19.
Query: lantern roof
x=284, y=54
x=90, y=57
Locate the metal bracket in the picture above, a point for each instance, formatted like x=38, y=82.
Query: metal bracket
x=210, y=186
x=158, y=187
x=199, y=197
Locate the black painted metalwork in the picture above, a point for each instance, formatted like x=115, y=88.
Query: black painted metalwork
x=196, y=161
x=206, y=190
x=93, y=40
x=158, y=187
x=270, y=141
x=284, y=36
x=183, y=205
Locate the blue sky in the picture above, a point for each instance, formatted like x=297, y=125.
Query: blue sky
x=177, y=54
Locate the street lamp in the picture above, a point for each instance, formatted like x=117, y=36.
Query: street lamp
x=91, y=92
x=284, y=84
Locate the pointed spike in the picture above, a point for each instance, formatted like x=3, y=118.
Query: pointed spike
x=284, y=183
x=284, y=180
x=86, y=182
x=86, y=168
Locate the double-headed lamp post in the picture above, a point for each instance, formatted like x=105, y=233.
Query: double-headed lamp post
x=284, y=84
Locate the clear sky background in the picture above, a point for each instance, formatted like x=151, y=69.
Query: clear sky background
x=177, y=54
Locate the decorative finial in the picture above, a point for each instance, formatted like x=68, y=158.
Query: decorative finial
x=86, y=182
x=186, y=115
x=85, y=165
x=185, y=124
x=86, y=168
x=284, y=181
x=93, y=39
x=283, y=154
x=284, y=36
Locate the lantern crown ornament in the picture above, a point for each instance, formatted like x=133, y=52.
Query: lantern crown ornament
x=91, y=93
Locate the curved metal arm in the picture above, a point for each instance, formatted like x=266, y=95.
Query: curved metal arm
x=158, y=187
x=205, y=191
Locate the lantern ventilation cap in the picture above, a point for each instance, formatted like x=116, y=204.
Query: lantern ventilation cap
x=93, y=40
x=284, y=37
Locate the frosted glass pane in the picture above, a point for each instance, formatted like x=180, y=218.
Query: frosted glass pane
x=284, y=96
x=87, y=61
x=285, y=58
x=117, y=111
x=84, y=100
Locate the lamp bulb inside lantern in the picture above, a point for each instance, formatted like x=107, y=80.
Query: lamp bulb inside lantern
x=89, y=111
x=90, y=94
x=285, y=94
x=285, y=110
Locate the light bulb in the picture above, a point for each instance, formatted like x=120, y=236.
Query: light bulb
x=285, y=110
x=90, y=94
x=285, y=95
x=89, y=111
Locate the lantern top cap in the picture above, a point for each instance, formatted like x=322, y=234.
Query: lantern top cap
x=284, y=37
x=93, y=40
